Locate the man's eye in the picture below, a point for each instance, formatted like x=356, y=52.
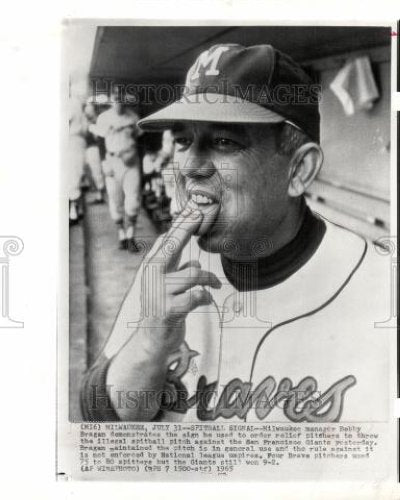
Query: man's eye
x=226, y=144
x=183, y=142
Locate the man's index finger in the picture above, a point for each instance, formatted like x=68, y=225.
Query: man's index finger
x=183, y=227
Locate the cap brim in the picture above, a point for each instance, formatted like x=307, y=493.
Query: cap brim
x=209, y=107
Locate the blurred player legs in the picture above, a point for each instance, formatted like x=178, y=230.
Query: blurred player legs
x=93, y=160
x=123, y=186
x=76, y=162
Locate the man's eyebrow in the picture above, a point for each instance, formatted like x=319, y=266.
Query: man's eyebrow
x=235, y=128
x=177, y=127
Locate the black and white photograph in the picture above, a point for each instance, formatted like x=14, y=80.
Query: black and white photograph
x=229, y=219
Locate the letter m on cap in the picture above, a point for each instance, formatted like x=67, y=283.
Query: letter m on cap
x=209, y=60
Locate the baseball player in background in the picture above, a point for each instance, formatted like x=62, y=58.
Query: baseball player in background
x=78, y=126
x=93, y=154
x=122, y=169
x=251, y=307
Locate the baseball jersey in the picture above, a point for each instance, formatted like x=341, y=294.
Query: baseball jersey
x=118, y=130
x=303, y=350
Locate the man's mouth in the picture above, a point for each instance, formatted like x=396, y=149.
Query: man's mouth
x=201, y=198
x=209, y=205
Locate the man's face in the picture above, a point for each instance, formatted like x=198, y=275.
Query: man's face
x=237, y=179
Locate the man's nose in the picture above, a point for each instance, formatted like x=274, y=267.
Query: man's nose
x=197, y=166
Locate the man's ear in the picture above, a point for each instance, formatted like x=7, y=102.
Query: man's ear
x=303, y=168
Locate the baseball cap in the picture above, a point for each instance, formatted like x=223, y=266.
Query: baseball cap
x=230, y=83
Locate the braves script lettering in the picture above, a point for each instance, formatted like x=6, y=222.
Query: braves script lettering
x=237, y=398
x=299, y=403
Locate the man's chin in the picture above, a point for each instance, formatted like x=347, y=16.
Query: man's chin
x=209, y=243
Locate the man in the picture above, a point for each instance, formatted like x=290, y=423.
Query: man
x=251, y=307
x=93, y=154
x=121, y=168
x=76, y=156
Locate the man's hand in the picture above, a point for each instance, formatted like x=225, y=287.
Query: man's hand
x=167, y=291
x=167, y=296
